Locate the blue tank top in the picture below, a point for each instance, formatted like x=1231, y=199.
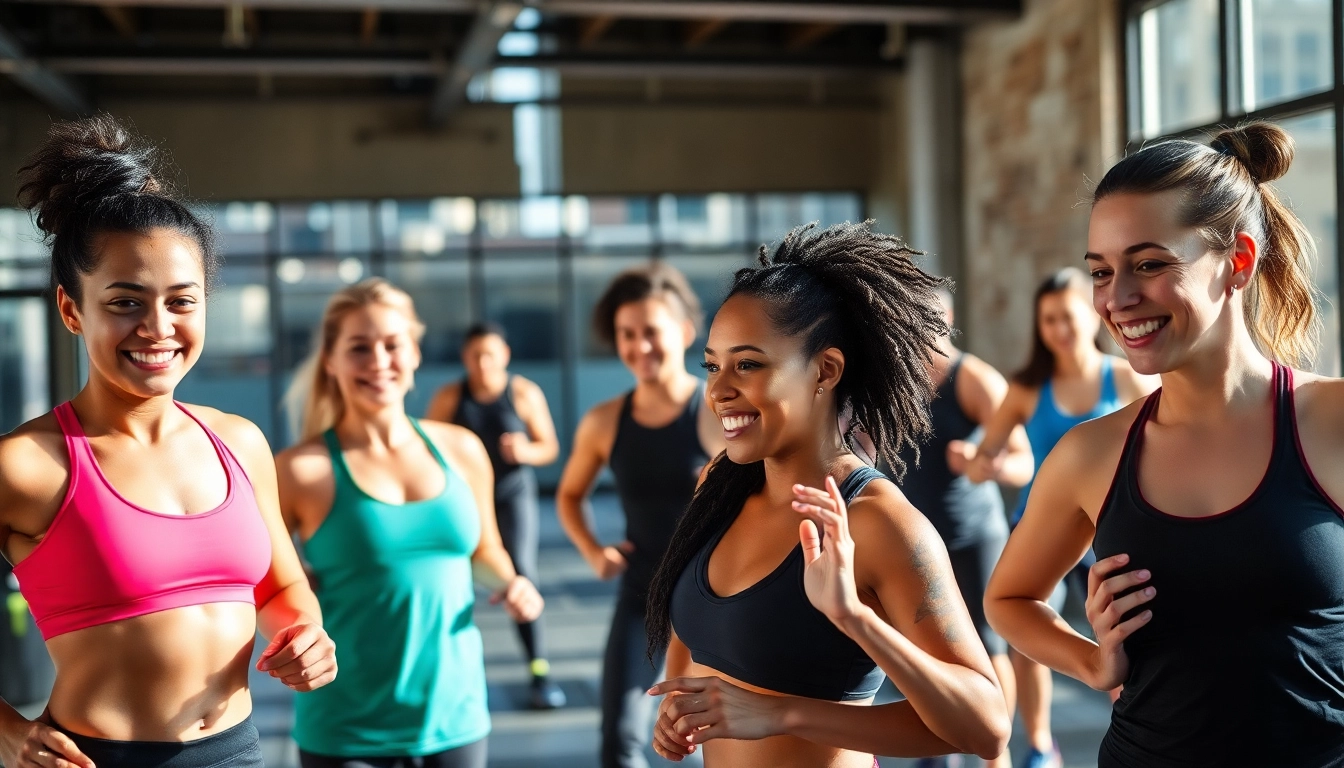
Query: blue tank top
x=394, y=582
x=1048, y=424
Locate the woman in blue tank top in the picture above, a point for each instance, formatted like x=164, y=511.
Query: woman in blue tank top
x=781, y=606
x=393, y=513
x=1213, y=505
x=1067, y=381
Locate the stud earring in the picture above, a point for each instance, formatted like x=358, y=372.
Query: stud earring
x=820, y=390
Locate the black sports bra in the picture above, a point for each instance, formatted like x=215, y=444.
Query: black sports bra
x=769, y=634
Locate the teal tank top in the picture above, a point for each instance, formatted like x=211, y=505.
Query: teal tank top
x=394, y=582
x=1048, y=424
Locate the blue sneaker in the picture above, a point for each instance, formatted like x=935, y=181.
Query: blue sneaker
x=1038, y=759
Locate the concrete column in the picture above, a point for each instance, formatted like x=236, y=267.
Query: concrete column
x=933, y=152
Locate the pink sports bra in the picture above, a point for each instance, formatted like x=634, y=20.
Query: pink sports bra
x=105, y=559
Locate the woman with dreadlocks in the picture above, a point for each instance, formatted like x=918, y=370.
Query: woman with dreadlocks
x=774, y=621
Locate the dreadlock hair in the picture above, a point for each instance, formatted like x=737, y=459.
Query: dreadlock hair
x=843, y=287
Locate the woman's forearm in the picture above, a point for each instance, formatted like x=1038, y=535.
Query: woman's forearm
x=295, y=604
x=1034, y=629
x=959, y=705
x=574, y=520
x=893, y=730
x=496, y=561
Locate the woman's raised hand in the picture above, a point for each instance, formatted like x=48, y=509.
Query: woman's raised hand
x=38, y=745
x=521, y=599
x=697, y=709
x=828, y=551
x=302, y=656
x=1104, y=613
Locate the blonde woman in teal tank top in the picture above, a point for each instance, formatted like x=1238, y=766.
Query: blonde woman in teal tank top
x=393, y=513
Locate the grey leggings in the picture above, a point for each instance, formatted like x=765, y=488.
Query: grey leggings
x=467, y=756
x=627, y=675
x=238, y=747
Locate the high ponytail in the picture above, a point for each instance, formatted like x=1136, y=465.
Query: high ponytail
x=313, y=402
x=844, y=287
x=1228, y=191
x=93, y=176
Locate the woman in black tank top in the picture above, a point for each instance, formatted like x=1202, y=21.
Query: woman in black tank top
x=774, y=618
x=1218, y=599
x=656, y=439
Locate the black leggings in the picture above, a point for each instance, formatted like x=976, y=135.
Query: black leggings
x=467, y=756
x=519, y=520
x=972, y=566
x=238, y=747
x=627, y=675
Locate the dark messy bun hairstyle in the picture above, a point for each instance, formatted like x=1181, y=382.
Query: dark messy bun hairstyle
x=93, y=176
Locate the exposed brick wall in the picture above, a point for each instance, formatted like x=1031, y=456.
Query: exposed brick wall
x=1040, y=125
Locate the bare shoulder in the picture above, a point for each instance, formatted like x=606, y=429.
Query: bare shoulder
x=523, y=387
x=1093, y=440
x=34, y=466
x=242, y=436
x=601, y=421
x=305, y=465
x=1319, y=401
x=885, y=521
x=458, y=444
x=981, y=371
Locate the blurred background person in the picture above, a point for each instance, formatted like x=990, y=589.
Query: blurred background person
x=656, y=438
x=510, y=416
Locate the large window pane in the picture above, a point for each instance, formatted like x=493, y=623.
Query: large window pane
x=234, y=372
x=242, y=228
x=777, y=214
x=441, y=290
x=1309, y=188
x=703, y=220
x=601, y=223
x=326, y=227
x=23, y=255
x=1286, y=50
x=426, y=227
x=1178, y=65
x=24, y=392
x=532, y=221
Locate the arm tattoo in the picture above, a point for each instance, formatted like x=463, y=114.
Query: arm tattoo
x=936, y=602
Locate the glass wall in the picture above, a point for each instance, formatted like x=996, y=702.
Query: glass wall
x=534, y=265
x=1196, y=65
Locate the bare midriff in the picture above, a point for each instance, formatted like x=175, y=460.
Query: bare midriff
x=776, y=751
x=175, y=675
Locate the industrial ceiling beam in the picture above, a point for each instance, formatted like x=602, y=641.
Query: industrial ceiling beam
x=592, y=29
x=34, y=76
x=477, y=51
x=807, y=35
x=121, y=18
x=700, y=32
x=607, y=68
x=835, y=11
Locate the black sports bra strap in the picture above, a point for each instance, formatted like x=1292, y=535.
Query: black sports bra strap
x=857, y=480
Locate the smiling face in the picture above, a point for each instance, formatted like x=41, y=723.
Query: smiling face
x=652, y=337
x=486, y=358
x=762, y=387
x=1161, y=292
x=1066, y=322
x=142, y=311
x=374, y=357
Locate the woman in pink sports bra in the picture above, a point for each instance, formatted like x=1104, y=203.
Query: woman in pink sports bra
x=145, y=534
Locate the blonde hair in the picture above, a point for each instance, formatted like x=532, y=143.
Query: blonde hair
x=313, y=401
x=1227, y=191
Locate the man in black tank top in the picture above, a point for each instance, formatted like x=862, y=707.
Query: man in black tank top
x=510, y=415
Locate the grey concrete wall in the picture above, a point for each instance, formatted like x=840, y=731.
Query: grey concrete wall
x=1041, y=123
x=613, y=150
x=251, y=149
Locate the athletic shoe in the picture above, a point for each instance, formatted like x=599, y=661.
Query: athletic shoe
x=545, y=695
x=1038, y=759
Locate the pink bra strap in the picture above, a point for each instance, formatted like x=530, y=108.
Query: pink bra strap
x=76, y=442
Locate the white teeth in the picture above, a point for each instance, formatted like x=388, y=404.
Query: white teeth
x=731, y=423
x=1142, y=329
x=153, y=358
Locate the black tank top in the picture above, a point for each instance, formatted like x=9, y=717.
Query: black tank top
x=490, y=421
x=769, y=634
x=964, y=513
x=656, y=471
x=1242, y=663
